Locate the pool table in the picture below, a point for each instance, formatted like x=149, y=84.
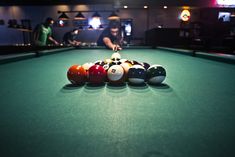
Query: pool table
x=192, y=114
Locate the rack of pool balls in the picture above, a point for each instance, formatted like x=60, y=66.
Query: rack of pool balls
x=116, y=71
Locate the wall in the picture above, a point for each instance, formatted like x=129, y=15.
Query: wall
x=9, y=35
x=143, y=19
x=37, y=14
x=169, y=17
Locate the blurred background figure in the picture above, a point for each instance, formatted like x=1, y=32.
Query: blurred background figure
x=111, y=37
x=70, y=38
x=42, y=34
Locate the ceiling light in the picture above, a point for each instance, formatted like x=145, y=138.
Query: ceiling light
x=63, y=16
x=96, y=15
x=113, y=16
x=101, y=27
x=79, y=16
x=90, y=27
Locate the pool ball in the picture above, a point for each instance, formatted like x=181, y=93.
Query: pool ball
x=116, y=74
x=116, y=62
x=128, y=61
x=87, y=65
x=107, y=66
x=116, y=56
x=123, y=60
x=133, y=62
x=145, y=65
x=108, y=60
x=136, y=74
x=126, y=66
x=99, y=62
x=76, y=74
x=96, y=74
x=83, y=44
x=156, y=74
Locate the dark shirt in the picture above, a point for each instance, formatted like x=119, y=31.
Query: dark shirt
x=69, y=36
x=107, y=33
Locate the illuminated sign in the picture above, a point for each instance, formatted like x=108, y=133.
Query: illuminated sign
x=226, y=2
x=185, y=15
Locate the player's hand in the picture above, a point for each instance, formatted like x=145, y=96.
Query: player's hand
x=56, y=43
x=116, y=48
x=78, y=43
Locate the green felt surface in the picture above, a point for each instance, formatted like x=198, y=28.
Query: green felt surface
x=191, y=115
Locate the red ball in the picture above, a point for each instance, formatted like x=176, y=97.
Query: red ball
x=96, y=74
x=76, y=74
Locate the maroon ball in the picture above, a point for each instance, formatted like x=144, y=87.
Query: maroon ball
x=96, y=74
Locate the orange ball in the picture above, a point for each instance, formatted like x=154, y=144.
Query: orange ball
x=76, y=74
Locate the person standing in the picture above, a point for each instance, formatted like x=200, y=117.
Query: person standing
x=43, y=33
